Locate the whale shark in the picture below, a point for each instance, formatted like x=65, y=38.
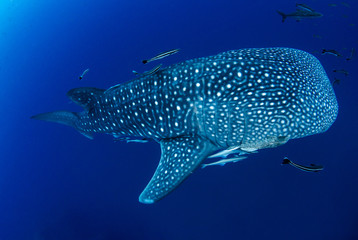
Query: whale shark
x=246, y=100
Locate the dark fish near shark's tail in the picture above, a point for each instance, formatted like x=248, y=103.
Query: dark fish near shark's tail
x=284, y=16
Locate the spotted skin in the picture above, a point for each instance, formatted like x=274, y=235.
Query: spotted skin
x=248, y=98
x=188, y=153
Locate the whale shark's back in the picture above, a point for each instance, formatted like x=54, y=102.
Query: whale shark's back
x=255, y=95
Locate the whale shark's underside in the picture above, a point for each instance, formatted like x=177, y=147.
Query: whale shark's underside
x=246, y=99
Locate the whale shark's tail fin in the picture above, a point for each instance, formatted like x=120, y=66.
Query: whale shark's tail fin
x=62, y=117
x=284, y=16
x=85, y=97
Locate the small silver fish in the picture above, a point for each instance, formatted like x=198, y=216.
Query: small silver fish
x=331, y=52
x=343, y=71
x=154, y=70
x=233, y=150
x=113, y=87
x=345, y=4
x=304, y=7
x=311, y=168
x=150, y=72
x=128, y=139
x=161, y=55
x=225, y=153
x=118, y=138
x=352, y=55
x=144, y=140
x=317, y=36
x=84, y=73
x=336, y=81
x=223, y=162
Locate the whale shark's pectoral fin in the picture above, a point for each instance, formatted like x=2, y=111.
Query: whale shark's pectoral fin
x=180, y=157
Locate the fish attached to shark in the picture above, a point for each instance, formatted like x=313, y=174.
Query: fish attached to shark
x=245, y=100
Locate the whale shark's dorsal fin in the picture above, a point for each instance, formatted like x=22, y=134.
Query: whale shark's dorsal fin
x=180, y=157
x=85, y=96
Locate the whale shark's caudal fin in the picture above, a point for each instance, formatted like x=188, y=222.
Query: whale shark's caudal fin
x=180, y=157
x=62, y=117
x=85, y=97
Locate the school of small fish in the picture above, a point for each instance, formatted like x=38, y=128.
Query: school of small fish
x=303, y=11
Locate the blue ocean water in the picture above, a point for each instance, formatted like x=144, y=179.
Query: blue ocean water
x=57, y=184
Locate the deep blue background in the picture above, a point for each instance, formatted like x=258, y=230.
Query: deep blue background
x=56, y=184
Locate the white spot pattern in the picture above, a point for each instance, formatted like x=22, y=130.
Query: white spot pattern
x=252, y=98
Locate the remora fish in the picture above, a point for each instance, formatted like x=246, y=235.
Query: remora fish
x=300, y=14
x=352, y=55
x=152, y=71
x=83, y=74
x=304, y=7
x=128, y=140
x=253, y=98
x=161, y=55
x=343, y=71
x=311, y=168
x=223, y=162
x=346, y=4
x=331, y=52
x=317, y=36
x=336, y=81
x=231, y=150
